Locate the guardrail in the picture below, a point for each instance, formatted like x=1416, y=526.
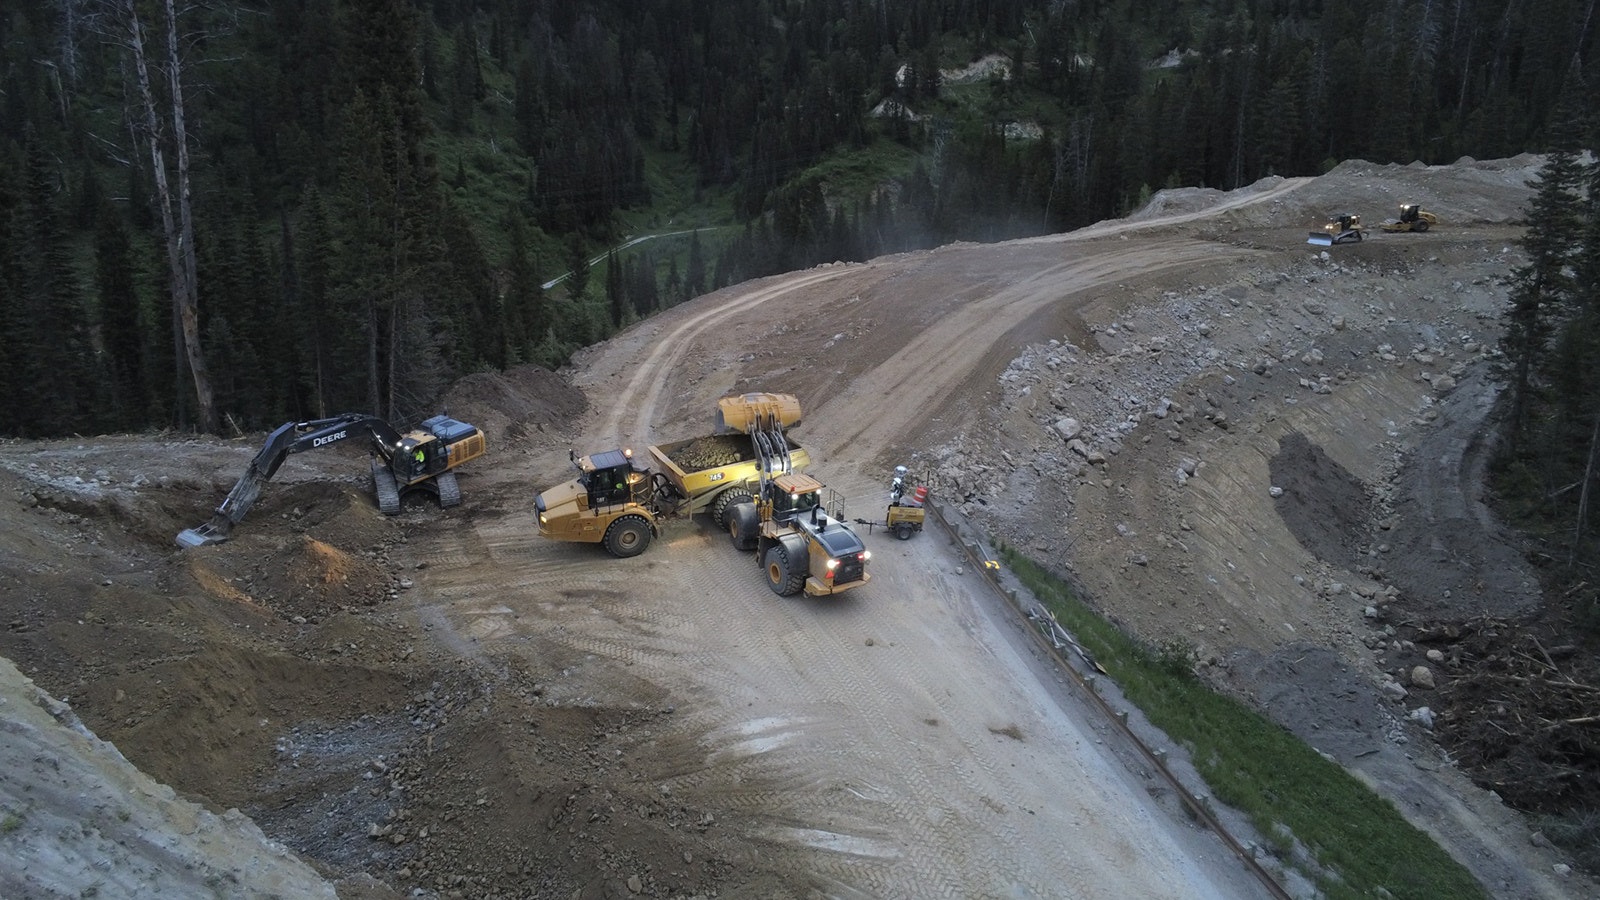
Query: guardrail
x=1051, y=638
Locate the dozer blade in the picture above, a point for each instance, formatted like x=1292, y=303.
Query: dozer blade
x=1320, y=238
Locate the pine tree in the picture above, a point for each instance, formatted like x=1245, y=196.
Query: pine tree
x=122, y=320
x=1543, y=286
x=64, y=385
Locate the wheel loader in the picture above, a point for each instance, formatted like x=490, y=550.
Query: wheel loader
x=421, y=460
x=1412, y=218
x=1342, y=228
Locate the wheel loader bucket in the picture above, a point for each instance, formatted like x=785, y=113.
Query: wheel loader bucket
x=745, y=413
x=1320, y=238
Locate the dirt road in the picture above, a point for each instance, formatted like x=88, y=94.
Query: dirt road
x=1169, y=409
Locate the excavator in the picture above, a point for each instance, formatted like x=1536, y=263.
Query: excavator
x=423, y=459
x=1412, y=218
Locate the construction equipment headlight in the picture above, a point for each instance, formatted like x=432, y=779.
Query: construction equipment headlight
x=543, y=520
x=833, y=564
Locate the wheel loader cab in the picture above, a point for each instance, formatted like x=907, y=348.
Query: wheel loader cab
x=792, y=497
x=786, y=507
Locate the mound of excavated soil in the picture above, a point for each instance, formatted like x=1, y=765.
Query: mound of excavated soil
x=511, y=406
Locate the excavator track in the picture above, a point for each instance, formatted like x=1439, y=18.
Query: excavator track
x=449, y=491
x=388, y=492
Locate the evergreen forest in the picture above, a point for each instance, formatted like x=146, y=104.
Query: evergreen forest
x=221, y=216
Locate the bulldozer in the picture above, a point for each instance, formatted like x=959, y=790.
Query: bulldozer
x=420, y=460
x=1412, y=218
x=1340, y=229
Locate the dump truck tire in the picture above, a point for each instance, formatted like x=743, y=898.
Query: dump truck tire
x=785, y=576
x=725, y=500
x=744, y=525
x=627, y=536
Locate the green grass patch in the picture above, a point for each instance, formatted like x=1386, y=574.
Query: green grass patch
x=1362, y=845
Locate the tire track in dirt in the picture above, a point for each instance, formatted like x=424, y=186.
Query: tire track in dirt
x=671, y=346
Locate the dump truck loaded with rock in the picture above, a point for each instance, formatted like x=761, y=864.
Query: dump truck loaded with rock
x=746, y=475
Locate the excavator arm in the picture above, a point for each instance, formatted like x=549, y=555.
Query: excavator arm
x=287, y=439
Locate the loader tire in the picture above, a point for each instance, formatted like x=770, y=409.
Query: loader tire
x=725, y=500
x=627, y=537
x=744, y=526
x=785, y=576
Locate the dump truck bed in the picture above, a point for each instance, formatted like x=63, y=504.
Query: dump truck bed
x=705, y=465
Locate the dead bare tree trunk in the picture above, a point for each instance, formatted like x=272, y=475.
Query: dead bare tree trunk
x=179, y=233
x=1583, y=495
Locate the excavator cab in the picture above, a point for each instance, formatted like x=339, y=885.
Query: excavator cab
x=418, y=457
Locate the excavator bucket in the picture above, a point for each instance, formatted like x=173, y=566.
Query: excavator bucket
x=233, y=508
x=201, y=536
x=747, y=413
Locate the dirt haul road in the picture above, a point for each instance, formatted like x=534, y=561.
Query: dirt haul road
x=1190, y=413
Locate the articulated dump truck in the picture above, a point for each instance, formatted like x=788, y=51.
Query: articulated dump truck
x=746, y=476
